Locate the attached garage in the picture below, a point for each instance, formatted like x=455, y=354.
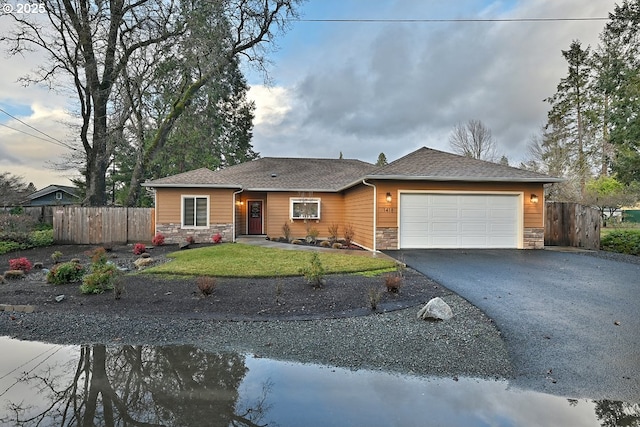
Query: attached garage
x=460, y=220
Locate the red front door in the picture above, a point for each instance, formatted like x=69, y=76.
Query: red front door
x=255, y=216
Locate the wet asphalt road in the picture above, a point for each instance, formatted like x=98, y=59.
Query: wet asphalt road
x=557, y=311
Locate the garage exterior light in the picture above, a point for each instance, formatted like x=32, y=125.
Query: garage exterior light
x=388, y=197
x=534, y=198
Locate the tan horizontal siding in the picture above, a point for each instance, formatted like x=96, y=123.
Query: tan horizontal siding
x=358, y=212
x=169, y=204
x=278, y=207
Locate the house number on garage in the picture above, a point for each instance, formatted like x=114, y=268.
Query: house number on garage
x=388, y=210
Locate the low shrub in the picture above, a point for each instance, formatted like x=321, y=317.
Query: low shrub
x=216, y=238
x=348, y=235
x=393, y=282
x=56, y=256
x=20, y=264
x=314, y=272
x=312, y=235
x=41, y=238
x=622, y=241
x=206, y=285
x=98, y=256
x=325, y=244
x=374, y=296
x=66, y=272
x=102, y=278
x=9, y=246
x=337, y=245
x=296, y=242
x=333, y=232
x=286, y=230
x=139, y=248
x=158, y=240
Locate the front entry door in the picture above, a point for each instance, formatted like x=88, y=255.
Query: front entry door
x=255, y=216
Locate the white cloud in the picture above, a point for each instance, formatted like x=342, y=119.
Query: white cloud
x=366, y=88
x=392, y=87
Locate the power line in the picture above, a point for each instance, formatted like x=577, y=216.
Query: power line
x=38, y=137
x=462, y=20
x=51, y=138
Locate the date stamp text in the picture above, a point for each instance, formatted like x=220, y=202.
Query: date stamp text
x=23, y=8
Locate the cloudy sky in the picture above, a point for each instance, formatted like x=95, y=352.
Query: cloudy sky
x=362, y=88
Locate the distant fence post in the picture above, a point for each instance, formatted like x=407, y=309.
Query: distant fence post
x=102, y=225
x=572, y=224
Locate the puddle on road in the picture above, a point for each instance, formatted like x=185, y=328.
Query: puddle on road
x=47, y=385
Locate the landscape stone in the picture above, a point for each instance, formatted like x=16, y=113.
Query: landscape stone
x=59, y=298
x=143, y=262
x=437, y=309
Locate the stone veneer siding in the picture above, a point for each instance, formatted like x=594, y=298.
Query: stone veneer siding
x=387, y=238
x=173, y=233
x=533, y=238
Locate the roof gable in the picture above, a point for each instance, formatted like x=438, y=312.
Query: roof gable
x=434, y=165
x=330, y=175
x=71, y=191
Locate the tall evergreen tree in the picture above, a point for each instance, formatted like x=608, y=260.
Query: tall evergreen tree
x=619, y=80
x=571, y=114
x=382, y=160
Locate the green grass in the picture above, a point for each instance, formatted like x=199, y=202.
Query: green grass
x=612, y=226
x=239, y=260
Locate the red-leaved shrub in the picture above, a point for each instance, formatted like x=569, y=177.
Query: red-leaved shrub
x=158, y=240
x=216, y=238
x=20, y=264
x=139, y=248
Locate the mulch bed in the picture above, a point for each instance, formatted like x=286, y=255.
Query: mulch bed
x=288, y=298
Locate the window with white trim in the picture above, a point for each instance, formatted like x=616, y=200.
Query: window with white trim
x=304, y=208
x=195, y=211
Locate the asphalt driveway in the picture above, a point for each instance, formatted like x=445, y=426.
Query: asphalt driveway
x=571, y=321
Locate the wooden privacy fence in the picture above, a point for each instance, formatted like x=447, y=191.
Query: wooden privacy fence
x=42, y=214
x=102, y=225
x=572, y=224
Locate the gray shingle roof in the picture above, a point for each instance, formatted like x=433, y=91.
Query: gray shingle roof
x=433, y=165
x=275, y=173
x=72, y=191
x=202, y=177
x=302, y=174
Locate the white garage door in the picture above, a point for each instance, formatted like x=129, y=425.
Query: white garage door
x=459, y=220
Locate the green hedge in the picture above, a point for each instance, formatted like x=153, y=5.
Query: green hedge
x=622, y=241
x=16, y=241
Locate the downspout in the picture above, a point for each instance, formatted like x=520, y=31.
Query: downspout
x=375, y=213
x=233, y=228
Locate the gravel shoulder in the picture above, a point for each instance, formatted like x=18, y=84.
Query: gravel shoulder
x=333, y=325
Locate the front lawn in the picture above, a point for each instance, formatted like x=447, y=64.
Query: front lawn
x=240, y=260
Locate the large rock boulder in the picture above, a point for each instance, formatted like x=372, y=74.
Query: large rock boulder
x=143, y=262
x=436, y=309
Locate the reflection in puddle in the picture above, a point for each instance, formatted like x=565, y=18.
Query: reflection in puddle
x=42, y=384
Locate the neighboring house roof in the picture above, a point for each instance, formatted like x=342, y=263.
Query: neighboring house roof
x=303, y=174
x=433, y=165
x=71, y=191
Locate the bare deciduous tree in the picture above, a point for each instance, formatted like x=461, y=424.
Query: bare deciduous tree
x=474, y=140
x=89, y=44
